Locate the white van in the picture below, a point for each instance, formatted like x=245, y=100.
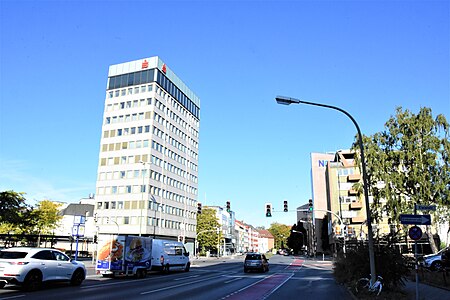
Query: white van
x=169, y=256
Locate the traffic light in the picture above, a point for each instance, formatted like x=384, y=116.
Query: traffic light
x=95, y=239
x=199, y=208
x=285, y=206
x=268, y=209
x=228, y=206
x=311, y=208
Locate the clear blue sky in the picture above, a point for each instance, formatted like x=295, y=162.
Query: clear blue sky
x=365, y=57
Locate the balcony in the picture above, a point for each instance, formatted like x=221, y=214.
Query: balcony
x=352, y=192
x=353, y=177
x=358, y=220
x=356, y=205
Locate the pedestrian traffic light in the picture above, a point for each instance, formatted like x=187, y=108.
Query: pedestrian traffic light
x=285, y=206
x=95, y=239
x=228, y=206
x=268, y=209
x=199, y=208
x=310, y=208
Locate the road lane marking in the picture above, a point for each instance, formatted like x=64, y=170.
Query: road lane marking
x=13, y=297
x=262, y=288
x=232, y=280
x=187, y=277
x=178, y=285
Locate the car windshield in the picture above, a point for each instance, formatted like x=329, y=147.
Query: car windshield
x=253, y=257
x=12, y=254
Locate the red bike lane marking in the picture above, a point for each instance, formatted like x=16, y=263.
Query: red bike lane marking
x=296, y=264
x=260, y=289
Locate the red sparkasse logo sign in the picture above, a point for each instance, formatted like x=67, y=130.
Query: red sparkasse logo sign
x=164, y=69
x=145, y=64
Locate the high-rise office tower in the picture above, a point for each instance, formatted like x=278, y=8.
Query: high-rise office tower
x=147, y=177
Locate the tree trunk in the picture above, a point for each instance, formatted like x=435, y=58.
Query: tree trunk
x=431, y=239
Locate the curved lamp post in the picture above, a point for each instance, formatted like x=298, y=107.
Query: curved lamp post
x=288, y=100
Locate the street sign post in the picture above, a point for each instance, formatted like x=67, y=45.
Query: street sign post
x=426, y=207
x=415, y=219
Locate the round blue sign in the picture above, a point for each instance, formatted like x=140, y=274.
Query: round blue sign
x=415, y=233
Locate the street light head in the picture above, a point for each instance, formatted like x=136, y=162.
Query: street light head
x=286, y=100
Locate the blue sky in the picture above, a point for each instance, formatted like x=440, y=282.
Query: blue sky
x=367, y=57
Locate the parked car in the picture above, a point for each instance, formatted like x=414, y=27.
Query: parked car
x=437, y=261
x=30, y=267
x=256, y=261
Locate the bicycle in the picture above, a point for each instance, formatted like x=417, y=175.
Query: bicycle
x=364, y=283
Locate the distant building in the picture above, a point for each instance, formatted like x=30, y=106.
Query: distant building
x=266, y=241
x=227, y=224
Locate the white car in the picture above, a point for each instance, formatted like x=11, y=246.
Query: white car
x=30, y=267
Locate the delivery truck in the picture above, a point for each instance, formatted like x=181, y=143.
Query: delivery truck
x=136, y=255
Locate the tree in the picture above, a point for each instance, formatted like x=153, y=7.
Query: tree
x=15, y=216
x=280, y=233
x=46, y=216
x=207, y=225
x=297, y=237
x=407, y=164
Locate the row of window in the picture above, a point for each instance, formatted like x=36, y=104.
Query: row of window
x=164, y=208
x=148, y=76
x=151, y=221
x=127, y=118
x=128, y=104
x=135, y=189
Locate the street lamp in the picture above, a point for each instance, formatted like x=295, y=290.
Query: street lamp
x=288, y=100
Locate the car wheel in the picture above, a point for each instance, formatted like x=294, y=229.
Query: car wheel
x=187, y=268
x=436, y=266
x=2, y=284
x=77, y=277
x=33, y=281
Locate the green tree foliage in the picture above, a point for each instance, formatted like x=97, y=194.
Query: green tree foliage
x=207, y=225
x=280, y=233
x=15, y=216
x=46, y=216
x=12, y=204
x=408, y=163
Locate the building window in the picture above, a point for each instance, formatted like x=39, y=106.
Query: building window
x=126, y=220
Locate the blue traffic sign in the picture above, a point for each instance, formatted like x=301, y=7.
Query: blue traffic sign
x=415, y=219
x=415, y=233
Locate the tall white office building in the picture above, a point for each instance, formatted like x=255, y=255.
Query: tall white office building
x=147, y=177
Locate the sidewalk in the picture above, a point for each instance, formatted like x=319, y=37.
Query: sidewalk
x=426, y=292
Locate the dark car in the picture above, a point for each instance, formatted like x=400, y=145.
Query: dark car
x=256, y=262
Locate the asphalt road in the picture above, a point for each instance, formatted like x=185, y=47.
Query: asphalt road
x=288, y=278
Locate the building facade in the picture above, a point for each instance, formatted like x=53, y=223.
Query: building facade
x=147, y=176
x=319, y=197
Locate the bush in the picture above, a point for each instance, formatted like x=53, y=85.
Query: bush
x=389, y=264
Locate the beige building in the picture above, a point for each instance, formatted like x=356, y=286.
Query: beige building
x=147, y=176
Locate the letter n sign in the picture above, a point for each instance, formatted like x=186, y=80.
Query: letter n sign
x=322, y=163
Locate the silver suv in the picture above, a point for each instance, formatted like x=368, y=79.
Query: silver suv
x=30, y=267
x=256, y=261
x=437, y=261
